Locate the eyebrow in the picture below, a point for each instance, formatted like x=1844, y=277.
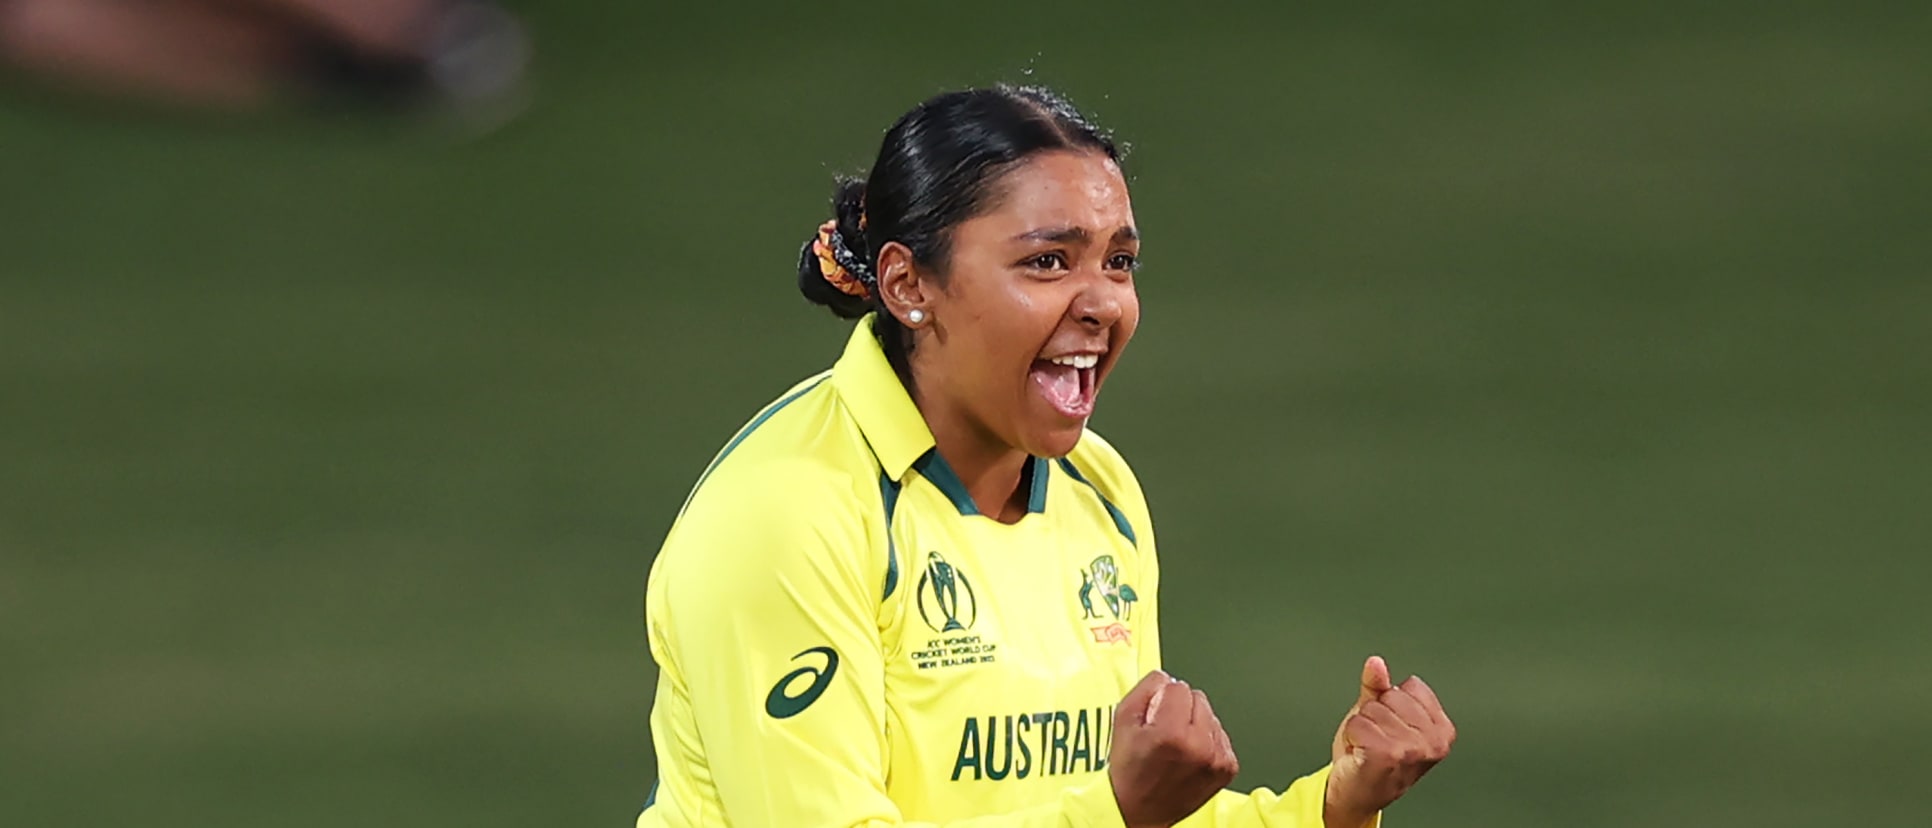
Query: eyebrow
x=1075, y=235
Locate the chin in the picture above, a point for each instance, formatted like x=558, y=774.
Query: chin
x=1057, y=441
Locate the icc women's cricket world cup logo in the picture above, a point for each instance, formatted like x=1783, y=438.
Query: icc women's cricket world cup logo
x=944, y=593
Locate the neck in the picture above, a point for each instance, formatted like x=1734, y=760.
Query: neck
x=990, y=469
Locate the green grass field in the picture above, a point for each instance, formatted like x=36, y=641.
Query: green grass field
x=1582, y=364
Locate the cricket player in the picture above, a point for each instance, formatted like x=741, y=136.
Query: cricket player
x=915, y=590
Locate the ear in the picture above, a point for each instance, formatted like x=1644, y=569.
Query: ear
x=902, y=286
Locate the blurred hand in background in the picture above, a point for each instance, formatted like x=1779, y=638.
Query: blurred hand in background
x=464, y=55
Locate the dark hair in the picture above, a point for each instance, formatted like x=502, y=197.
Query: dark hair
x=936, y=168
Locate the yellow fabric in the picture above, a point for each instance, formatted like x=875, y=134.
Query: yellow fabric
x=978, y=692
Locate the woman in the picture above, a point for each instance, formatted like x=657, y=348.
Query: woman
x=915, y=589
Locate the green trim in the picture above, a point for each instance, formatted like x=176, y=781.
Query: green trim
x=745, y=432
x=1120, y=520
x=1038, y=471
x=941, y=475
x=934, y=468
x=652, y=799
x=889, y=491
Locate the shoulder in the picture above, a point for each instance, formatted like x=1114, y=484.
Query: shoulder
x=1103, y=466
x=771, y=508
x=767, y=531
x=799, y=441
x=1095, y=447
x=796, y=479
x=1097, y=463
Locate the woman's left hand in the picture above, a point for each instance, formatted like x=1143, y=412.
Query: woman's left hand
x=1389, y=739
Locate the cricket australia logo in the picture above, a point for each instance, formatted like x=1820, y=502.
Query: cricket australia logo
x=946, y=599
x=1102, y=578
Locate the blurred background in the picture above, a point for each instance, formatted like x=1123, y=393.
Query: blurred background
x=1580, y=361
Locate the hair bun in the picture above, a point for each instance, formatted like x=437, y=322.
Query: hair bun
x=834, y=266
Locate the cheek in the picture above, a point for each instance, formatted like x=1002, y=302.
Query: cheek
x=1129, y=312
x=1016, y=319
x=993, y=323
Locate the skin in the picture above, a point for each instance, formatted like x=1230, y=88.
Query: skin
x=1391, y=737
x=1170, y=754
x=1047, y=271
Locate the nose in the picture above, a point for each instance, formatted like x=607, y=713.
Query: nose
x=1098, y=307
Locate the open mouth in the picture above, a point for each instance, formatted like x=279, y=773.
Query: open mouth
x=1068, y=383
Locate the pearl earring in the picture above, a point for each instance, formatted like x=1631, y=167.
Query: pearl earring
x=916, y=316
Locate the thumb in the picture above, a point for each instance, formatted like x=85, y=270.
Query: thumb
x=1134, y=706
x=1375, y=680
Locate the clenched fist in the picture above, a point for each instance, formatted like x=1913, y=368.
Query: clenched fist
x=1388, y=740
x=1169, y=755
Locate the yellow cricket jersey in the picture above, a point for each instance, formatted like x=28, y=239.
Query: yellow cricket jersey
x=843, y=640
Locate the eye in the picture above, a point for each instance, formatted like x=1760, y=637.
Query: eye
x=1124, y=261
x=1047, y=261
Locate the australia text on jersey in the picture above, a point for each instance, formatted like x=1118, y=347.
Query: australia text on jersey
x=1034, y=744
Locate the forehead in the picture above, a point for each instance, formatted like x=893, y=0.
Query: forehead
x=1064, y=189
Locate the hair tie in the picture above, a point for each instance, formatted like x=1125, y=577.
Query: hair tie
x=826, y=247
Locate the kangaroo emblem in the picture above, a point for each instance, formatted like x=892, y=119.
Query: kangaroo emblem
x=1103, y=576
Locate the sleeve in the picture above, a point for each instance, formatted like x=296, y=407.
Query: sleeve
x=774, y=623
x=1300, y=806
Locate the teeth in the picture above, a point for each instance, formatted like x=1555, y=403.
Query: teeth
x=1077, y=360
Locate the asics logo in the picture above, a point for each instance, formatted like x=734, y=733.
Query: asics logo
x=784, y=704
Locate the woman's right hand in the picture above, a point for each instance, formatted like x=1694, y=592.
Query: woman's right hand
x=1169, y=754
